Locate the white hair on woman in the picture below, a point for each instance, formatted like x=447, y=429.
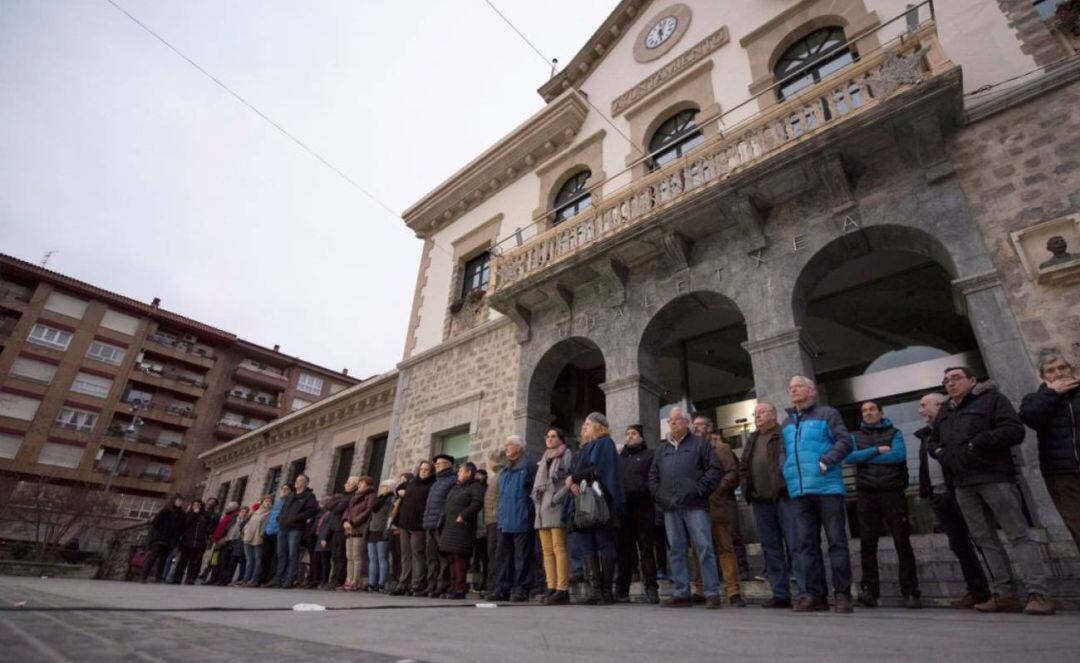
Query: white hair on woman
x=516, y=439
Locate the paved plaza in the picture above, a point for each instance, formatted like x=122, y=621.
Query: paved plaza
x=166, y=623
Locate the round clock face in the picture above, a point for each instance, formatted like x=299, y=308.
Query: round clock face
x=660, y=32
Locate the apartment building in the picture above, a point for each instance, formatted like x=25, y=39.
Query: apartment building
x=97, y=388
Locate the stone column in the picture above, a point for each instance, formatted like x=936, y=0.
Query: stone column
x=775, y=360
x=1009, y=365
x=532, y=425
x=633, y=400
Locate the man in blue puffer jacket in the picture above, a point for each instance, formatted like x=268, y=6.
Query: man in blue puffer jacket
x=815, y=446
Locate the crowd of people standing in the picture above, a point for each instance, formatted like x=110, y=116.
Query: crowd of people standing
x=606, y=513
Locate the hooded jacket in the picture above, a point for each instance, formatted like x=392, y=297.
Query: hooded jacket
x=973, y=439
x=436, y=499
x=876, y=471
x=411, y=513
x=1055, y=418
x=634, y=464
x=814, y=435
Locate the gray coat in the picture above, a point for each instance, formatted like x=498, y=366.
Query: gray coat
x=549, y=498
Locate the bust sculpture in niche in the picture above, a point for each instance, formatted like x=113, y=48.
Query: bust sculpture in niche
x=1059, y=251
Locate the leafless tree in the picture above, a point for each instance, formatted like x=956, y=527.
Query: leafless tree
x=52, y=513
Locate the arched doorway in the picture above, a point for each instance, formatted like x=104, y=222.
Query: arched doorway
x=565, y=387
x=879, y=311
x=693, y=350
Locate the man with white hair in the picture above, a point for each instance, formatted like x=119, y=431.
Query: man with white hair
x=685, y=471
x=815, y=446
x=514, y=551
x=935, y=485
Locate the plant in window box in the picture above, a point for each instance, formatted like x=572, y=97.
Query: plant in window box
x=475, y=296
x=456, y=305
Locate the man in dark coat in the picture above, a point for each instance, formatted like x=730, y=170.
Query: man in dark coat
x=165, y=531
x=1053, y=412
x=298, y=509
x=936, y=486
x=515, y=551
x=413, y=495
x=636, y=532
x=438, y=564
x=336, y=541
x=684, y=472
x=973, y=438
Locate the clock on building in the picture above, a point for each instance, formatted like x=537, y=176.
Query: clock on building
x=661, y=32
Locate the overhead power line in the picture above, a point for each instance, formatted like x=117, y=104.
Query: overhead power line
x=236, y=95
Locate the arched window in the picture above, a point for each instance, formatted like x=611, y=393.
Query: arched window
x=810, y=59
x=573, y=197
x=678, y=135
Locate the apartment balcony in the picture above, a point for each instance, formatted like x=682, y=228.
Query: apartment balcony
x=795, y=146
x=168, y=379
x=173, y=415
x=252, y=405
x=261, y=376
x=179, y=350
x=230, y=429
x=15, y=296
x=142, y=445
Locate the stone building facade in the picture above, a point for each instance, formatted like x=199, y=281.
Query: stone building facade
x=860, y=191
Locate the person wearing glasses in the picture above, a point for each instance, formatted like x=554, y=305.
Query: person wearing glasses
x=973, y=438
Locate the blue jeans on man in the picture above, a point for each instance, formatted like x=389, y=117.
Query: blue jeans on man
x=686, y=526
x=288, y=554
x=775, y=523
x=812, y=512
x=252, y=563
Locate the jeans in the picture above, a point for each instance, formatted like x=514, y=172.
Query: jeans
x=984, y=504
x=598, y=542
x=775, y=523
x=378, y=553
x=253, y=563
x=686, y=526
x=812, y=512
x=635, y=543
x=288, y=554
x=951, y=519
x=888, y=508
x=514, y=563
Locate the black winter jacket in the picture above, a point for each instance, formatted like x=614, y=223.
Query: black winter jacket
x=926, y=489
x=297, y=510
x=196, y=530
x=167, y=526
x=411, y=513
x=683, y=477
x=777, y=486
x=1055, y=418
x=972, y=440
x=466, y=501
x=436, y=499
x=634, y=464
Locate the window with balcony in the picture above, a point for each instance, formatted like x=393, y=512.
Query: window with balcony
x=92, y=385
x=810, y=59
x=573, y=197
x=50, y=337
x=138, y=397
x=310, y=384
x=476, y=275
x=110, y=354
x=80, y=421
x=158, y=471
x=675, y=137
x=32, y=369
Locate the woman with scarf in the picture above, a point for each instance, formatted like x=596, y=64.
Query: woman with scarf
x=549, y=492
x=597, y=462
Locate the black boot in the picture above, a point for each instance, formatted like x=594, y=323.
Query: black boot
x=593, y=573
x=607, y=579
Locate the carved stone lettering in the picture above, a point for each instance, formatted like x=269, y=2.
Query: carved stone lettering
x=849, y=224
x=758, y=257
x=798, y=242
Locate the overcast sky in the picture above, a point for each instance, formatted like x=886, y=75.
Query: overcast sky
x=149, y=180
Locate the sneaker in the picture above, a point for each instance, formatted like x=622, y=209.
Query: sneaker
x=1039, y=604
x=713, y=603
x=737, y=601
x=676, y=602
x=867, y=600
x=1000, y=604
x=842, y=604
x=810, y=604
x=912, y=602
x=777, y=604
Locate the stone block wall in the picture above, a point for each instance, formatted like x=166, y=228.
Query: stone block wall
x=465, y=384
x=1018, y=168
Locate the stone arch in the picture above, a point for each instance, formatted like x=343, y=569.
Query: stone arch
x=860, y=243
x=538, y=379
